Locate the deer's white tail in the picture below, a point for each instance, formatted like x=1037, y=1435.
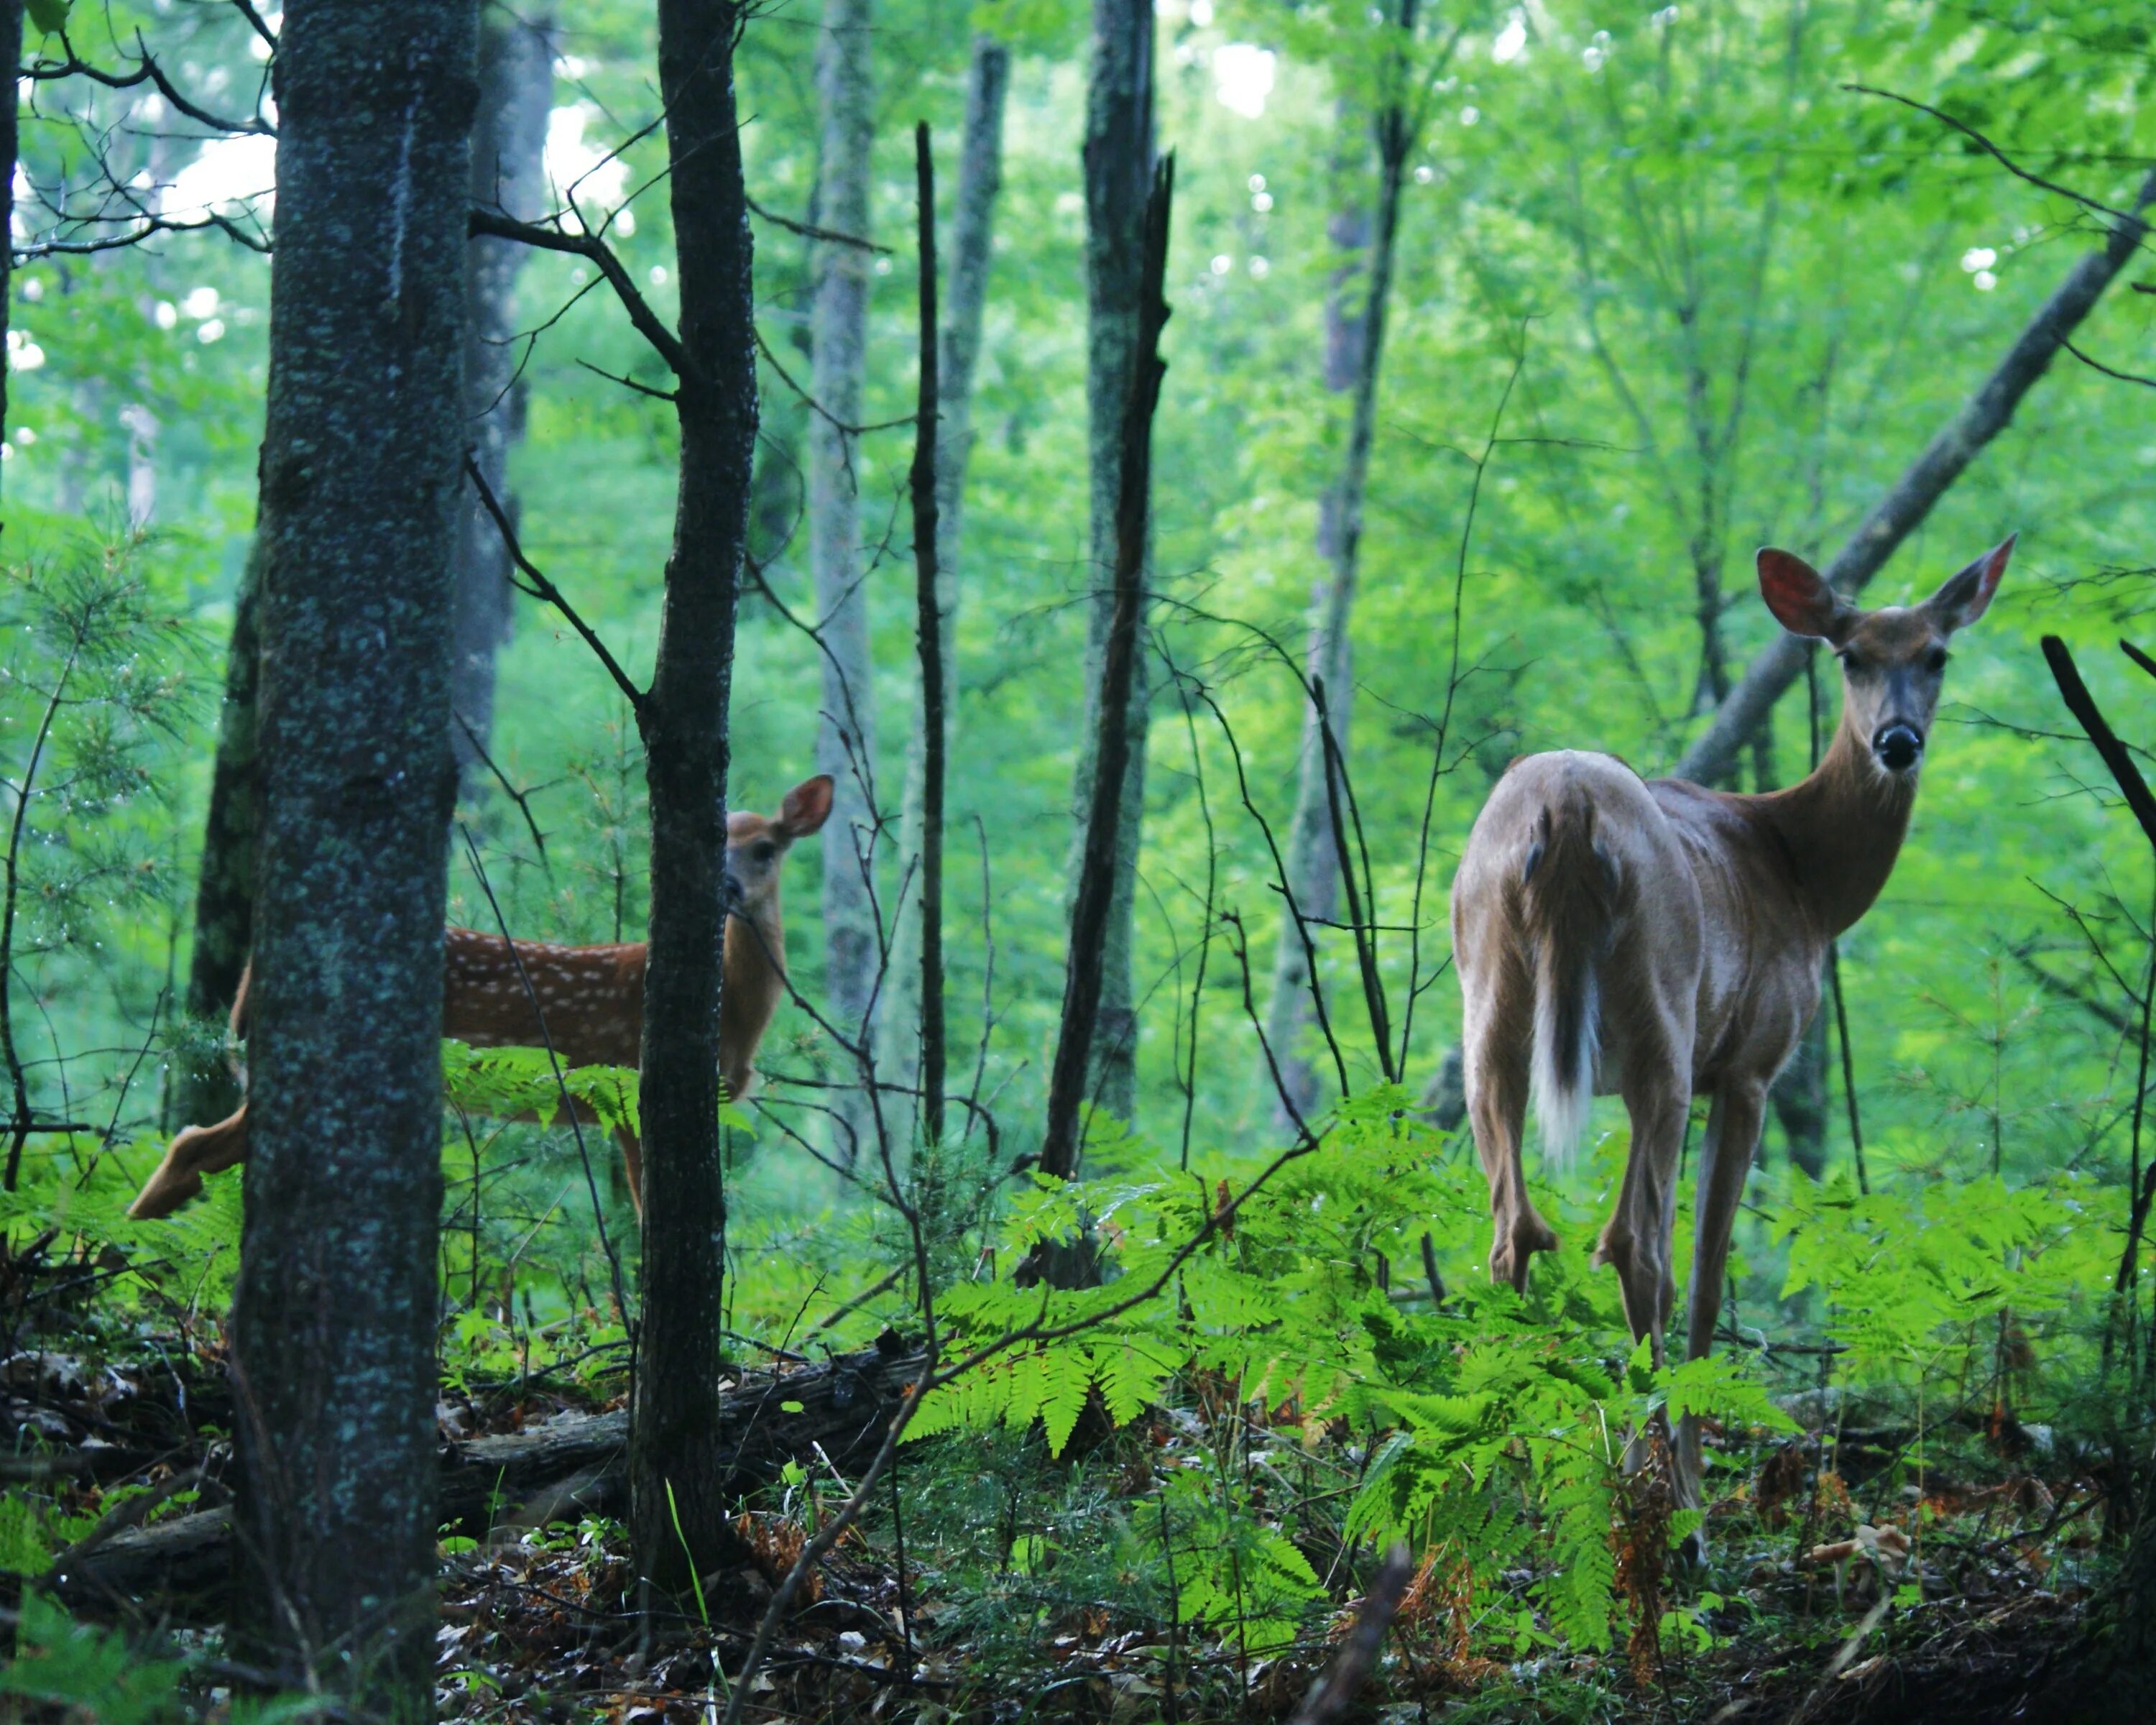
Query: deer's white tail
x=1570, y=885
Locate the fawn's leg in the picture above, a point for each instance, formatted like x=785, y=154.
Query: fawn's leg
x=632, y=1155
x=197, y=1151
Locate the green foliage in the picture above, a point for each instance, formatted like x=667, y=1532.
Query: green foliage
x=1915, y=1277
x=91, y=1672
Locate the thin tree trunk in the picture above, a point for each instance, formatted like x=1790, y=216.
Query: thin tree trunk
x=1118, y=162
x=678, y=1508
x=1084, y=992
x=1313, y=861
x=980, y=177
x=509, y=142
x=845, y=733
x=928, y=637
x=1898, y=514
x=333, y=1357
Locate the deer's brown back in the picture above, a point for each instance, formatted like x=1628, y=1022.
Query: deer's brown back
x=590, y=999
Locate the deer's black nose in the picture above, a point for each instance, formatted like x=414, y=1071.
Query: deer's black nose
x=1898, y=747
x=734, y=894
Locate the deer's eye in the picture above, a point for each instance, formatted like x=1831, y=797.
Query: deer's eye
x=1852, y=661
x=1935, y=661
x=763, y=850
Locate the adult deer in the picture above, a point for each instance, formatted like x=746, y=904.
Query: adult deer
x=1657, y=940
x=585, y=1002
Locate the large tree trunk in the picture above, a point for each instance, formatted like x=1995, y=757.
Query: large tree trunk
x=958, y=351
x=677, y=1496
x=1118, y=160
x=508, y=175
x=11, y=45
x=332, y=1359
x=845, y=731
x=1355, y=343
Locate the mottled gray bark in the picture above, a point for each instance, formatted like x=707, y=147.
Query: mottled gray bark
x=980, y=177
x=509, y=142
x=11, y=45
x=845, y=730
x=202, y=1087
x=1118, y=163
x=1354, y=334
x=679, y=1505
x=332, y=1359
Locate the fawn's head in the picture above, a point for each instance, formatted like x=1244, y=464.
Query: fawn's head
x=757, y=844
x=1893, y=660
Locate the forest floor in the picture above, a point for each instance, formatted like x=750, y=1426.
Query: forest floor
x=1841, y=1585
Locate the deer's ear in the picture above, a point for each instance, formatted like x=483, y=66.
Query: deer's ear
x=1800, y=598
x=806, y=806
x=1963, y=598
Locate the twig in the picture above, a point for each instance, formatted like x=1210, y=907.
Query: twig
x=495, y=225
x=810, y=230
x=542, y=588
x=1332, y=1694
x=519, y=797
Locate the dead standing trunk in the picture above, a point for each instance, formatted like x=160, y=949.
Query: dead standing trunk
x=845, y=731
x=1313, y=861
x=1119, y=164
x=509, y=142
x=679, y=1509
x=332, y=1359
x=980, y=177
x=1084, y=982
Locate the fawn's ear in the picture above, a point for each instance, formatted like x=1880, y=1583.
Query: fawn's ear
x=1963, y=598
x=1800, y=598
x=806, y=806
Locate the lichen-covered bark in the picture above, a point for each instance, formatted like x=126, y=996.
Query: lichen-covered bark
x=846, y=728
x=202, y=1087
x=1118, y=162
x=332, y=1359
x=958, y=350
x=677, y=1477
x=509, y=142
x=11, y=45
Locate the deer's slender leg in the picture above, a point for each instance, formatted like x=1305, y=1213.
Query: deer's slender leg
x=1636, y=1243
x=1498, y=1037
x=1725, y=1161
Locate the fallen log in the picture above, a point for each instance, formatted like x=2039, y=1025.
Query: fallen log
x=572, y=1464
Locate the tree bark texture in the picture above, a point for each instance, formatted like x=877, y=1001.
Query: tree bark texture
x=677, y=1498
x=508, y=175
x=332, y=1360
x=1313, y=861
x=1085, y=979
x=1896, y=515
x=928, y=639
x=203, y=1088
x=10, y=44
x=846, y=731
x=980, y=178
x=1118, y=164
